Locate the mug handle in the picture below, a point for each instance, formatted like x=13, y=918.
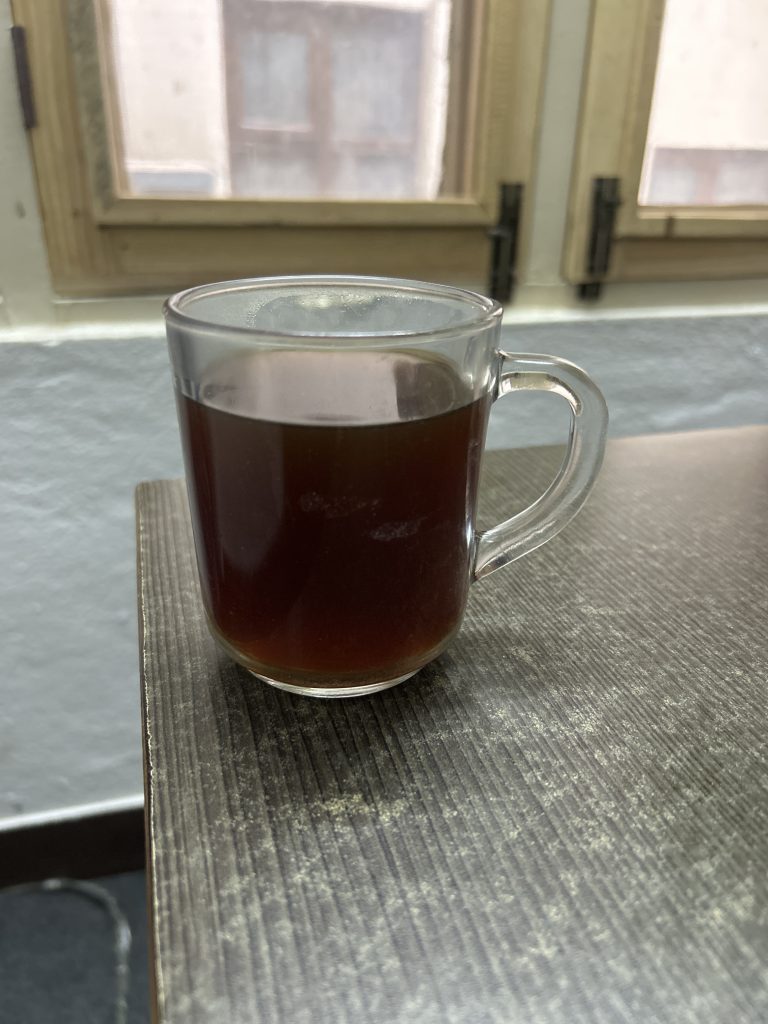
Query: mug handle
x=546, y=517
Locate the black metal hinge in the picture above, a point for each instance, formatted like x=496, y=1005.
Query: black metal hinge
x=23, y=76
x=606, y=199
x=504, y=242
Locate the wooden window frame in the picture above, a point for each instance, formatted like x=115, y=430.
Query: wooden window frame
x=101, y=243
x=650, y=243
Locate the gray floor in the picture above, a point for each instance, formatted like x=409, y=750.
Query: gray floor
x=57, y=960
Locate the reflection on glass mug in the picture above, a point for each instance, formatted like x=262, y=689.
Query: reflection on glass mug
x=332, y=431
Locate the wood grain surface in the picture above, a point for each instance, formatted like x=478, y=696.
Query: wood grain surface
x=564, y=819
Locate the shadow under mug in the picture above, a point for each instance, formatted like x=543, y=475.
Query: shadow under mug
x=332, y=430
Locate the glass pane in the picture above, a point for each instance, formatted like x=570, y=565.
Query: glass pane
x=273, y=70
x=708, y=135
x=281, y=98
x=373, y=106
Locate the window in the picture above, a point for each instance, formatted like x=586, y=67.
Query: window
x=181, y=142
x=290, y=99
x=674, y=109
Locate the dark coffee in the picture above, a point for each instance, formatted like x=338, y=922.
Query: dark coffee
x=333, y=498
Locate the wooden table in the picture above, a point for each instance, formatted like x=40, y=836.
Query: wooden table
x=564, y=819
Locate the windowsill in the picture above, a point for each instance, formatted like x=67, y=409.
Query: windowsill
x=141, y=316
x=556, y=303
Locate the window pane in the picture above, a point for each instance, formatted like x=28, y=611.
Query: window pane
x=708, y=135
x=273, y=78
x=372, y=106
x=281, y=98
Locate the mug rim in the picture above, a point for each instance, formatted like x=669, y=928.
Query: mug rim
x=486, y=310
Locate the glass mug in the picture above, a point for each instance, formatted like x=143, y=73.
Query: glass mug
x=332, y=430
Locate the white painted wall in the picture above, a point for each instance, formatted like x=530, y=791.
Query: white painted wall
x=169, y=82
x=711, y=85
x=86, y=412
x=179, y=77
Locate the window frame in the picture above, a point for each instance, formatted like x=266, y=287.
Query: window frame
x=100, y=243
x=650, y=243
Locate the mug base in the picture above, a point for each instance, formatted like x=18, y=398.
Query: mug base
x=334, y=691
x=343, y=689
